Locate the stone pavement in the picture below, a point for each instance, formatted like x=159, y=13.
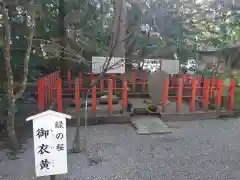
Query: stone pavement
x=200, y=150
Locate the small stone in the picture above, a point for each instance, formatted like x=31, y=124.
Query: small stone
x=104, y=99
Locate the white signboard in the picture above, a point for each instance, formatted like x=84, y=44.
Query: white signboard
x=152, y=64
x=117, y=64
x=50, y=143
x=170, y=66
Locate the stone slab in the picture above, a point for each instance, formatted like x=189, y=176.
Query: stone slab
x=149, y=125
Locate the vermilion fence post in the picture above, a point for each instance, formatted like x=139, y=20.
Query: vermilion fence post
x=110, y=98
x=198, y=90
x=77, y=95
x=94, y=99
x=48, y=90
x=124, y=95
x=134, y=80
x=206, y=93
x=179, y=94
x=232, y=89
x=193, y=100
x=50, y=87
x=165, y=96
x=69, y=80
x=40, y=95
x=219, y=91
x=53, y=86
x=45, y=90
x=59, y=95
x=211, y=86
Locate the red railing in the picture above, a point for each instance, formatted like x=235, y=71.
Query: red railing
x=47, y=90
x=183, y=86
x=50, y=90
x=90, y=77
x=195, y=91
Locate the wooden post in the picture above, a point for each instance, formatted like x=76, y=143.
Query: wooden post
x=77, y=95
x=45, y=92
x=110, y=98
x=165, y=96
x=232, y=89
x=219, y=83
x=179, y=94
x=69, y=80
x=198, y=90
x=211, y=88
x=49, y=89
x=59, y=95
x=206, y=94
x=50, y=86
x=94, y=100
x=193, y=100
x=53, y=86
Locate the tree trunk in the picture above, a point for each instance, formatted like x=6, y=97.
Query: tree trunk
x=119, y=30
x=11, y=125
x=11, y=101
x=62, y=36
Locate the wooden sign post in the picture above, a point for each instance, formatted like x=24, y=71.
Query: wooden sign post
x=50, y=143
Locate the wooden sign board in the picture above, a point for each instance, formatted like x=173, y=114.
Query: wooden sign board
x=50, y=143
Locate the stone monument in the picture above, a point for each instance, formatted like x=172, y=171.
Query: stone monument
x=156, y=85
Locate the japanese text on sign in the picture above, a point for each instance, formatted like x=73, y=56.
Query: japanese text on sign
x=50, y=146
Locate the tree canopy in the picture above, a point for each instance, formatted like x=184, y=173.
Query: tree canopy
x=154, y=29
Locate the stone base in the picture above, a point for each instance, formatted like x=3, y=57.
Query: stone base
x=191, y=116
x=98, y=118
x=187, y=116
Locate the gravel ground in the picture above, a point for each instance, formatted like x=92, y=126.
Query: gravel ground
x=203, y=150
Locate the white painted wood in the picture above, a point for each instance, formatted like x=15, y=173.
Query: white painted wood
x=50, y=143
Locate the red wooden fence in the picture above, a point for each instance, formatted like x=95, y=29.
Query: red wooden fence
x=50, y=88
